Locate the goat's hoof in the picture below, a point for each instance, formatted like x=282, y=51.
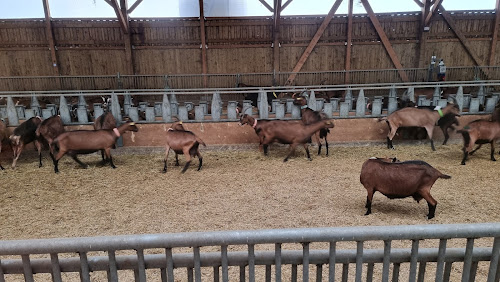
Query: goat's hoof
x=494, y=159
x=430, y=216
x=310, y=159
x=463, y=163
x=1, y=167
x=164, y=171
x=367, y=213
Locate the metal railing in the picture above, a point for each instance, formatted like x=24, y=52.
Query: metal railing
x=254, y=263
x=188, y=81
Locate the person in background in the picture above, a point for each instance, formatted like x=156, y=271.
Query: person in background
x=441, y=71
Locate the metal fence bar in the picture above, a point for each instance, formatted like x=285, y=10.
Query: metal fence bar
x=28, y=272
x=141, y=266
x=56, y=269
x=242, y=273
x=421, y=271
x=2, y=278
x=251, y=262
x=413, y=261
x=112, y=270
x=277, y=261
x=495, y=261
x=268, y=273
x=197, y=264
x=319, y=272
x=225, y=268
x=440, y=262
x=468, y=260
x=294, y=273
x=216, y=274
x=84, y=267
x=170, y=264
x=387, y=261
x=359, y=260
x=395, y=272
x=189, y=274
x=331, y=261
x=369, y=272
x=345, y=272
x=447, y=271
x=305, y=262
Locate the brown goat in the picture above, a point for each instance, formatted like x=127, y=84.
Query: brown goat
x=23, y=135
x=310, y=116
x=286, y=132
x=3, y=136
x=480, y=132
x=416, y=117
x=400, y=180
x=257, y=126
x=46, y=132
x=89, y=141
x=184, y=142
x=105, y=121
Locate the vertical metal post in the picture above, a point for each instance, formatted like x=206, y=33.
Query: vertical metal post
x=494, y=267
x=28, y=272
x=413, y=261
x=294, y=273
x=305, y=262
x=56, y=269
x=467, y=259
x=440, y=260
x=345, y=272
x=141, y=266
x=268, y=273
x=447, y=271
x=319, y=273
x=242, y=273
x=395, y=272
x=216, y=274
x=197, y=264
x=359, y=260
x=225, y=273
x=251, y=263
x=421, y=271
x=2, y=278
x=387, y=261
x=331, y=261
x=369, y=272
x=170, y=264
x=113, y=270
x=277, y=261
x=84, y=268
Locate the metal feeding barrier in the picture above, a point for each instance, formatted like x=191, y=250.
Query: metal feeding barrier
x=252, y=261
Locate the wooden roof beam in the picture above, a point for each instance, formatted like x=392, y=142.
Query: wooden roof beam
x=286, y=4
x=494, y=38
x=313, y=42
x=50, y=36
x=385, y=40
x=432, y=12
x=420, y=4
x=461, y=37
x=267, y=5
x=422, y=35
x=122, y=19
x=276, y=35
x=348, y=42
x=132, y=8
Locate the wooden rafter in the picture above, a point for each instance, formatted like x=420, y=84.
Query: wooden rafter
x=132, y=8
x=461, y=37
x=276, y=35
x=286, y=4
x=267, y=5
x=122, y=18
x=385, y=40
x=432, y=12
x=348, y=42
x=204, y=67
x=50, y=36
x=313, y=42
x=494, y=38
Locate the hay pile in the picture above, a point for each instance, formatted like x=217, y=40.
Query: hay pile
x=234, y=190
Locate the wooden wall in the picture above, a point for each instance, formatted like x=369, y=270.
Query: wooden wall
x=235, y=45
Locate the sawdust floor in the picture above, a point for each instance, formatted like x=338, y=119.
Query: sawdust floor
x=236, y=190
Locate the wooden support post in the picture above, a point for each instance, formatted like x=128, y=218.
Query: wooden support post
x=263, y=2
x=494, y=37
x=203, y=44
x=432, y=12
x=122, y=19
x=132, y=8
x=385, y=40
x=313, y=42
x=285, y=5
x=50, y=37
x=276, y=36
x=348, y=44
x=422, y=35
x=127, y=38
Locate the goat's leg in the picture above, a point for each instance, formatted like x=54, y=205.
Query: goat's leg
x=431, y=202
x=326, y=145
x=477, y=148
x=82, y=164
x=290, y=152
x=446, y=135
x=38, y=146
x=188, y=159
x=306, y=147
x=108, y=155
x=17, y=152
x=429, y=130
x=318, y=141
x=492, y=143
x=1, y=167
x=200, y=158
x=167, y=150
x=466, y=154
x=392, y=132
x=103, y=162
x=59, y=155
x=265, y=146
x=176, y=159
x=369, y=199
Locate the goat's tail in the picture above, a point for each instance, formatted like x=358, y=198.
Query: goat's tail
x=198, y=139
x=444, y=176
x=466, y=135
